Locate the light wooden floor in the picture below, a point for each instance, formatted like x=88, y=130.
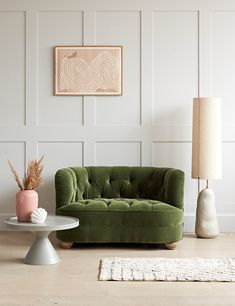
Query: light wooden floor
x=74, y=280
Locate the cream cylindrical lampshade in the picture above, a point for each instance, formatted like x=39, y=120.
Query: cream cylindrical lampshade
x=206, y=141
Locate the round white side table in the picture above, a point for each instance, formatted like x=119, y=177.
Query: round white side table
x=42, y=251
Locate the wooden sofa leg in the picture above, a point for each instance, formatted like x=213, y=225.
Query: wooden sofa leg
x=66, y=244
x=171, y=246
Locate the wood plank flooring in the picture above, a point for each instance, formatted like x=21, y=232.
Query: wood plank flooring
x=74, y=280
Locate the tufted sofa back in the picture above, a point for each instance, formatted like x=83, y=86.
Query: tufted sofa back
x=78, y=183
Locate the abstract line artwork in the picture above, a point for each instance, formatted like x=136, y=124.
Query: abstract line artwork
x=88, y=70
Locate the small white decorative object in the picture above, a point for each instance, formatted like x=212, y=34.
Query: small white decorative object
x=39, y=215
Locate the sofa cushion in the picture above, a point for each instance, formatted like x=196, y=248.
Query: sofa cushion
x=119, y=211
x=118, y=204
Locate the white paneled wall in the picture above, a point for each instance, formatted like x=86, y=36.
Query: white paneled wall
x=12, y=71
x=56, y=28
x=223, y=62
x=172, y=52
x=117, y=34
x=123, y=153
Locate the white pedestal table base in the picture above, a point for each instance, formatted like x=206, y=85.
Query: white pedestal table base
x=42, y=251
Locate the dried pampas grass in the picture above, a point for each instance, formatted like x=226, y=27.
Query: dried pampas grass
x=16, y=176
x=33, y=178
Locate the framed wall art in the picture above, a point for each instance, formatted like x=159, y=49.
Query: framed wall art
x=88, y=70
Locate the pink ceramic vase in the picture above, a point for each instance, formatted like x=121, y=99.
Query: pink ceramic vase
x=26, y=203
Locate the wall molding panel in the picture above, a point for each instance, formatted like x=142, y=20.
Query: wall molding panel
x=13, y=67
x=118, y=153
x=130, y=101
x=172, y=51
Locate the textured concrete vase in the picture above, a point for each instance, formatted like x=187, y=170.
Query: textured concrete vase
x=206, y=220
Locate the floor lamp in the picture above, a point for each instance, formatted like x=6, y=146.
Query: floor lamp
x=206, y=161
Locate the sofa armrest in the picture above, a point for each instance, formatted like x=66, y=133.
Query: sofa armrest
x=65, y=187
x=174, y=188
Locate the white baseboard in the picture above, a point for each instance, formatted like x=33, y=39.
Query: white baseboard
x=226, y=222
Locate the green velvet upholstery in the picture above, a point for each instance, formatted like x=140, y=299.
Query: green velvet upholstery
x=121, y=204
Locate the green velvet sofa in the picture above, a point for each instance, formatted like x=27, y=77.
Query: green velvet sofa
x=121, y=204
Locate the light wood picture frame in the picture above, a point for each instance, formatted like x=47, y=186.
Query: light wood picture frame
x=88, y=70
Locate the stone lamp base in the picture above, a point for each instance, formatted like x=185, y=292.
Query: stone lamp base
x=206, y=220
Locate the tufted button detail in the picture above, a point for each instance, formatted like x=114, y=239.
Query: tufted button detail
x=120, y=204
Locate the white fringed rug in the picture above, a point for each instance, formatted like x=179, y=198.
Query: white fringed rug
x=168, y=269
